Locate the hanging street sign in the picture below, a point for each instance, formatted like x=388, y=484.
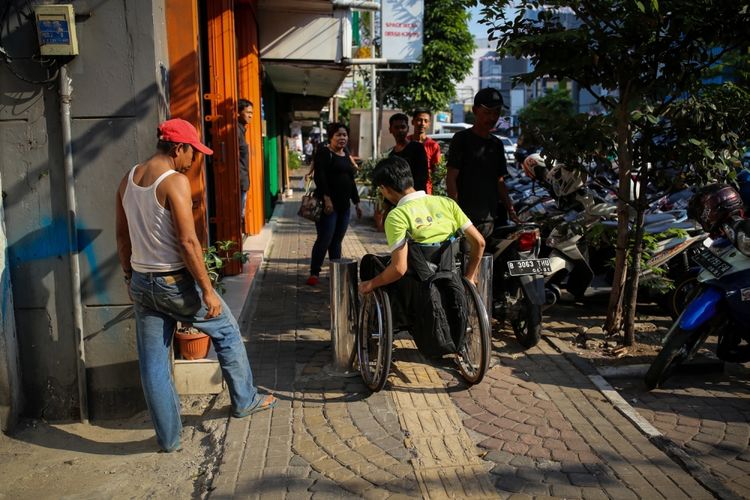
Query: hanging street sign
x=402, y=30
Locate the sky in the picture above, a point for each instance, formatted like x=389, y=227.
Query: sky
x=478, y=30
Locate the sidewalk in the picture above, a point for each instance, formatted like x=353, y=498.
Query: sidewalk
x=535, y=427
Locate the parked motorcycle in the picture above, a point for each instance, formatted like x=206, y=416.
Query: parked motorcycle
x=518, y=288
x=721, y=302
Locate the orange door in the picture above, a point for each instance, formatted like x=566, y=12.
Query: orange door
x=248, y=63
x=222, y=117
x=185, y=91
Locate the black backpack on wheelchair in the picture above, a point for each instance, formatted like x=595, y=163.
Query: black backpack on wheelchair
x=429, y=300
x=438, y=314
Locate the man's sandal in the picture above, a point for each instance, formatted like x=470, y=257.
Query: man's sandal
x=268, y=402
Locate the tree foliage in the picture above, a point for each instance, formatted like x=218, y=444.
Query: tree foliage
x=735, y=65
x=356, y=97
x=651, y=57
x=446, y=59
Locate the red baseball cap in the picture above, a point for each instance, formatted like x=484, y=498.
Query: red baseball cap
x=182, y=132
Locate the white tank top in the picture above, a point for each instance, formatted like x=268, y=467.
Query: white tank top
x=152, y=235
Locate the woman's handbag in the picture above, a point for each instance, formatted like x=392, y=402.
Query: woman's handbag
x=311, y=207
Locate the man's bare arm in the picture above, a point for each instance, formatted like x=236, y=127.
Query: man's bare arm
x=505, y=199
x=124, y=248
x=392, y=273
x=180, y=205
x=476, y=242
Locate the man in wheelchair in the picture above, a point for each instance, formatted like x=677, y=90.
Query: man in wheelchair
x=421, y=275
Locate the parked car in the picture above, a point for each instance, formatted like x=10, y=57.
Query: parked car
x=444, y=141
x=510, y=149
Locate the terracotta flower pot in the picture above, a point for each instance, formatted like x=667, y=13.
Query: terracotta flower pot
x=192, y=344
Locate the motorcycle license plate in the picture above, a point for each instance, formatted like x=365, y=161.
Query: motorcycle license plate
x=530, y=266
x=711, y=263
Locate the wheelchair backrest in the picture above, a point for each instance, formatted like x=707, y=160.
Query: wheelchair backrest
x=427, y=260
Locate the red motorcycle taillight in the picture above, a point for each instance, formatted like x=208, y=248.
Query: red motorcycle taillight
x=526, y=241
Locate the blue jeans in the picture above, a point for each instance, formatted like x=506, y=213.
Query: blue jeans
x=159, y=302
x=331, y=229
x=243, y=201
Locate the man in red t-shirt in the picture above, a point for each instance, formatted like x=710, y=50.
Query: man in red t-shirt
x=420, y=120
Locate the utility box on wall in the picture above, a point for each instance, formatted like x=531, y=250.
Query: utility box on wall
x=56, y=29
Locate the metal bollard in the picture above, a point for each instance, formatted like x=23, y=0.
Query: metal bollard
x=344, y=311
x=486, y=268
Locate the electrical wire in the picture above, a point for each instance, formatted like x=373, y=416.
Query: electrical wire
x=45, y=63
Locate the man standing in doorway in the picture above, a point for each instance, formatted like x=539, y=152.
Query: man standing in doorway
x=420, y=120
x=245, y=114
x=162, y=259
x=411, y=151
x=477, y=168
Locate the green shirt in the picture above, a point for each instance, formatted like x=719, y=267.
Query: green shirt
x=424, y=219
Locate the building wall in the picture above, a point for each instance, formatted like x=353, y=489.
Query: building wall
x=10, y=371
x=118, y=99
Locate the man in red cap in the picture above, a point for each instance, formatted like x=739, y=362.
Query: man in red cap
x=162, y=259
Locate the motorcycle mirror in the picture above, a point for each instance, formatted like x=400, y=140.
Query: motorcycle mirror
x=741, y=236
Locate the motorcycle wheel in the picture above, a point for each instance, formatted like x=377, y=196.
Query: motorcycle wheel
x=527, y=320
x=680, y=347
x=684, y=291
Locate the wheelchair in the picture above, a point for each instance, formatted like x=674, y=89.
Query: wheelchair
x=376, y=325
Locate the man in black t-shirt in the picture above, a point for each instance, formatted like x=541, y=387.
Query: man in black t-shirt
x=244, y=115
x=476, y=166
x=411, y=151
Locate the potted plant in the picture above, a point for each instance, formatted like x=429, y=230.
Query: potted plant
x=191, y=342
x=364, y=176
x=215, y=258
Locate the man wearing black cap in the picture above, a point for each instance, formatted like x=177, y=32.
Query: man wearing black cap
x=476, y=166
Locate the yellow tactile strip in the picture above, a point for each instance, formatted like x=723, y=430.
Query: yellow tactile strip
x=445, y=459
x=350, y=438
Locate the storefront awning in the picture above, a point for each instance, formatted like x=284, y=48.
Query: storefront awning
x=303, y=45
x=305, y=79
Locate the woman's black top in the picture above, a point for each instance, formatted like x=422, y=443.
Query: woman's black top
x=334, y=177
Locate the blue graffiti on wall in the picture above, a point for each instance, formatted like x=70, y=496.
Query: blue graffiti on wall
x=51, y=241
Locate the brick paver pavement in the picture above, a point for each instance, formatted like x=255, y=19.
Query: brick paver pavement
x=708, y=415
x=535, y=427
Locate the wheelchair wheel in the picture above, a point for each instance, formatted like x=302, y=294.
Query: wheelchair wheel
x=375, y=339
x=474, y=356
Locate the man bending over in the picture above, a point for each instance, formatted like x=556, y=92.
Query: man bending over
x=418, y=218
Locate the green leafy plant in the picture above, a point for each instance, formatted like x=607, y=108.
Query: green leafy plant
x=437, y=177
x=216, y=257
x=356, y=97
x=295, y=160
x=364, y=177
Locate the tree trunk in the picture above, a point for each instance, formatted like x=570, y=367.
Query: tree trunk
x=631, y=290
x=613, y=323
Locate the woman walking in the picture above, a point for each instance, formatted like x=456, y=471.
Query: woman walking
x=334, y=181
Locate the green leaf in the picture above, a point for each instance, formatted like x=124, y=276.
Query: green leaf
x=640, y=6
